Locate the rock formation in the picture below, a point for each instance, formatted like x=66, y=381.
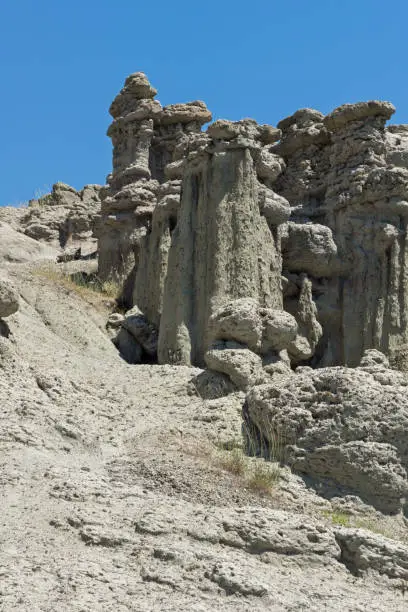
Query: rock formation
x=9, y=298
x=145, y=138
x=251, y=250
x=308, y=218
x=274, y=259
x=64, y=218
x=347, y=187
x=347, y=425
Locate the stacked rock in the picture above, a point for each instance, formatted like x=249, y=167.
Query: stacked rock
x=144, y=137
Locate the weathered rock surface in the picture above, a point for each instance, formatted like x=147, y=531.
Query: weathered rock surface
x=113, y=494
x=64, y=219
x=247, y=249
x=345, y=180
x=194, y=220
x=15, y=247
x=9, y=298
x=347, y=425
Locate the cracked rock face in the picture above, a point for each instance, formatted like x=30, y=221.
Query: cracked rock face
x=307, y=218
x=342, y=424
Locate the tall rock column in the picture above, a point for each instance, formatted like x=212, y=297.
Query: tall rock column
x=131, y=194
x=366, y=204
x=174, y=129
x=222, y=248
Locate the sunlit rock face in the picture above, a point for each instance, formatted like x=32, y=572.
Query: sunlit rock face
x=308, y=219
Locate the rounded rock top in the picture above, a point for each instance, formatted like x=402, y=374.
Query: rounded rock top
x=139, y=85
x=185, y=113
x=302, y=117
x=347, y=113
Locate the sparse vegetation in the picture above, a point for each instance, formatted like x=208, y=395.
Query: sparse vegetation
x=87, y=286
x=254, y=473
x=341, y=519
x=268, y=444
x=265, y=476
x=369, y=523
x=233, y=461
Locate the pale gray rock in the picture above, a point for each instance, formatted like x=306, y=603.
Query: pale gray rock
x=273, y=207
x=212, y=385
x=113, y=488
x=345, y=425
x=64, y=218
x=322, y=196
x=222, y=249
x=238, y=320
x=362, y=550
x=309, y=248
x=243, y=367
x=15, y=247
x=9, y=298
x=347, y=113
x=279, y=330
x=397, y=145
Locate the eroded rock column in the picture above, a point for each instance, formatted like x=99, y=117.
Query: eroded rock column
x=131, y=195
x=222, y=248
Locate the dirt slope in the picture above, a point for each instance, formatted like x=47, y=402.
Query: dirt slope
x=114, y=496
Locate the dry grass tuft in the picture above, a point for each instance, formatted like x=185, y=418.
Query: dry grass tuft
x=89, y=287
x=264, y=478
x=233, y=461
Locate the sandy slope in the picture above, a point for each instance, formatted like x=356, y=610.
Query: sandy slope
x=112, y=499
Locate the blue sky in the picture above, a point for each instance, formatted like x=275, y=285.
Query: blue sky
x=62, y=63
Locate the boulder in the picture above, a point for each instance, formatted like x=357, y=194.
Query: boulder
x=128, y=347
x=260, y=329
x=243, y=367
x=342, y=425
x=142, y=331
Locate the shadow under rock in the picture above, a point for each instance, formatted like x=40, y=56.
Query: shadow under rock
x=4, y=329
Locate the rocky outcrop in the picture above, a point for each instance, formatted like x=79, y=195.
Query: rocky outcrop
x=63, y=219
x=15, y=247
x=347, y=229
x=307, y=219
x=145, y=138
x=344, y=425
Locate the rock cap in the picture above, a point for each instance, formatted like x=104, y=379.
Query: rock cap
x=196, y=111
x=347, y=113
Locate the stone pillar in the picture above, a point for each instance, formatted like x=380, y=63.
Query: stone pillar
x=222, y=248
x=369, y=227
x=175, y=129
x=131, y=196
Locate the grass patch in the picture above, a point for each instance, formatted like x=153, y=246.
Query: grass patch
x=233, y=461
x=87, y=286
x=251, y=473
x=264, y=478
x=256, y=474
x=269, y=444
x=341, y=519
x=229, y=445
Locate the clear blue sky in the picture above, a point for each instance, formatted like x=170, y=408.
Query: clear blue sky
x=62, y=63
